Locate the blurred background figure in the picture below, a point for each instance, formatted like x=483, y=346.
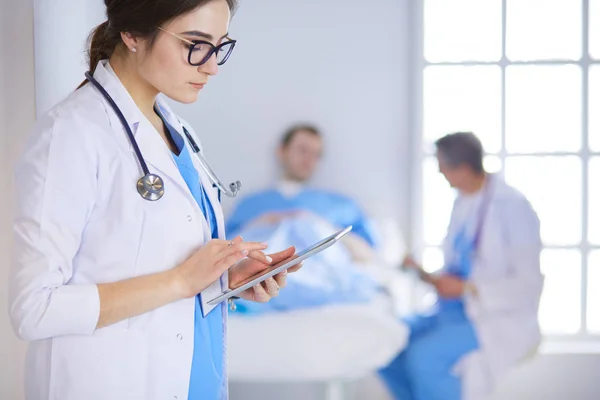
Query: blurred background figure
x=489, y=289
x=294, y=212
x=299, y=154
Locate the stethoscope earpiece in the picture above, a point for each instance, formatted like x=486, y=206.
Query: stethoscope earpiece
x=151, y=187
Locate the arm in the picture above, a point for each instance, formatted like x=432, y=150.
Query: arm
x=360, y=249
x=56, y=192
x=522, y=287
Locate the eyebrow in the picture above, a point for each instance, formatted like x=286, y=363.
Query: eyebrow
x=202, y=34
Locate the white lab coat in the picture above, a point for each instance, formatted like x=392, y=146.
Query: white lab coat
x=80, y=221
x=507, y=275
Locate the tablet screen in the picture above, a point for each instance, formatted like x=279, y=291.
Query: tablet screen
x=287, y=260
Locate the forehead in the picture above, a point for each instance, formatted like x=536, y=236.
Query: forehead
x=305, y=137
x=211, y=18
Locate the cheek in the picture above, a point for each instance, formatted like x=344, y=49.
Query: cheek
x=166, y=69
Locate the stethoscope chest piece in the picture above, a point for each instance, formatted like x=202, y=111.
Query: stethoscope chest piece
x=151, y=187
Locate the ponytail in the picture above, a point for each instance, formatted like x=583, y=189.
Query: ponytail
x=102, y=42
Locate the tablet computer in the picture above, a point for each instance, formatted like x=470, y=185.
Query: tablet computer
x=281, y=266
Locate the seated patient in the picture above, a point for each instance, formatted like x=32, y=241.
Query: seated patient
x=292, y=213
x=299, y=154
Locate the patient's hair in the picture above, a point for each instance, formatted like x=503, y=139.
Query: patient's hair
x=461, y=148
x=291, y=132
x=138, y=17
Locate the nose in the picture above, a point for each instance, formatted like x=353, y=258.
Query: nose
x=210, y=67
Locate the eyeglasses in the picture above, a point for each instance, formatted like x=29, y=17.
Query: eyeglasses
x=201, y=51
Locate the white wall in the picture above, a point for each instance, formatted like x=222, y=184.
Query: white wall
x=342, y=65
x=60, y=46
x=16, y=117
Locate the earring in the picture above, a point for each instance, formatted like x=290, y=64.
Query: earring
x=133, y=49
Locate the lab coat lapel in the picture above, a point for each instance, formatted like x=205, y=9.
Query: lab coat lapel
x=154, y=150
x=217, y=288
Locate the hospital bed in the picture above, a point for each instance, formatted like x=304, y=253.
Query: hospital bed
x=331, y=345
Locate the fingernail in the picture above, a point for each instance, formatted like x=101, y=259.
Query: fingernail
x=269, y=259
x=284, y=273
x=265, y=244
x=245, y=252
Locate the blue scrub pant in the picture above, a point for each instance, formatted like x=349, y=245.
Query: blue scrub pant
x=423, y=371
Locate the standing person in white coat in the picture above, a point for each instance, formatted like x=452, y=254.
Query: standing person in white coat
x=112, y=272
x=486, y=316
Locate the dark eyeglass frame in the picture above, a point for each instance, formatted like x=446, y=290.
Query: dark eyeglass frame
x=213, y=49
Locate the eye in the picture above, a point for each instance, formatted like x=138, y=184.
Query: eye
x=200, y=47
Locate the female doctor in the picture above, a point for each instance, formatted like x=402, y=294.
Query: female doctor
x=118, y=231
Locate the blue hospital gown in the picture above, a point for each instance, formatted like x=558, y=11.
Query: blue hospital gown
x=336, y=209
x=207, y=375
x=423, y=371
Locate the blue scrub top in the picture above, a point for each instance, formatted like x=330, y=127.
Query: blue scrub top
x=460, y=266
x=206, y=378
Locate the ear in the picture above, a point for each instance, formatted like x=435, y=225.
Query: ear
x=130, y=41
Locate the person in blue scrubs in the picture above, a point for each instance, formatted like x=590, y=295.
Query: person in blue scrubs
x=299, y=154
x=437, y=341
x=442, y=336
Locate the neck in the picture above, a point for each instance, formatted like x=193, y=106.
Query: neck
x=291, y=179
x=475, y=184
x=142, y=93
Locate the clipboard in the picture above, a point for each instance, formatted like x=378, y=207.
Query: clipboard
x=281, y=266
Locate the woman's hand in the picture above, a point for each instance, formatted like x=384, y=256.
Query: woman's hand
x=256, y=263
x=207, y=264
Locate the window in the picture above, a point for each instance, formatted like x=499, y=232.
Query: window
x=531, y=92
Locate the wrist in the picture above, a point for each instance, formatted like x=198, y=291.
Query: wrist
x=176, y=284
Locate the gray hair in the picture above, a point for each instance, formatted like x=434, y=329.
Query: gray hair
x=461, y=148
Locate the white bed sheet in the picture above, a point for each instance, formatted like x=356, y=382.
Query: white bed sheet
x=335, y=342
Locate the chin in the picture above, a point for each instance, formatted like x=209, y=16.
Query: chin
x=187, y=97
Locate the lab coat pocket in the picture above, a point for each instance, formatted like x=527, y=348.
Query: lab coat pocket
x=111, y=364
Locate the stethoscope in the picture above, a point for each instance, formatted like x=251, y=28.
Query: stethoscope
x=151, y=186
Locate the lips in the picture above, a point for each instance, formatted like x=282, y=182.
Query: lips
x=197, y=85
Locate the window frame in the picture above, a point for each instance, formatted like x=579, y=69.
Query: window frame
x=582, y=341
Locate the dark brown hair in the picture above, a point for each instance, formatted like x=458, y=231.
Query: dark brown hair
x=138, y=17
x=291, y=132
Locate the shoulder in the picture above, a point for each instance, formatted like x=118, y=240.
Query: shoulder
x=512, y=206
x=70, y=130
x=258, y=196
x=79, y=117
x=505, y=194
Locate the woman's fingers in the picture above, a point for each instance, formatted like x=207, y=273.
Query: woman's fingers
x=260, y=294
x=281, y=279
x=271, y=286
x=260, y=256
x=233, y=247
x=282, y=255
x=225, y=263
